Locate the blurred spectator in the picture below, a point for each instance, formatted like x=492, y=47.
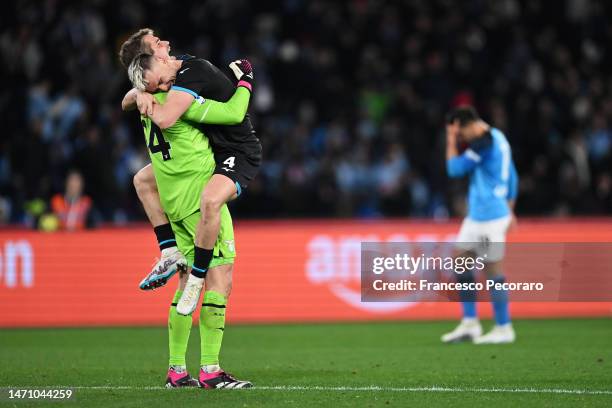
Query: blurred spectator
x=72, y=208
x=349, y=103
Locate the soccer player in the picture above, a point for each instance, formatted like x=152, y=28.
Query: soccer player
x=237, y=152
x=491, y=197
x=171, y=260
x=183, y=163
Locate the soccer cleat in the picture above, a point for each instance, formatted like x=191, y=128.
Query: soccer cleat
x=468, y=330
x=498, y=335
x=191, y=296
x=222, y=380
x=169, y=264
x=178, y=380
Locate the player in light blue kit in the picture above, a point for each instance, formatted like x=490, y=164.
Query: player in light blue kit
x=491, y=197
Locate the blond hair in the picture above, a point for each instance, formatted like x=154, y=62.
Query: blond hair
x=137, y=69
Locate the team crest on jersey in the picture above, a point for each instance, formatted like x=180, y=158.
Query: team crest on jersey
x=200, y=100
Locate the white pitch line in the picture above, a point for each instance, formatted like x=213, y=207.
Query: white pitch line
x=349, y=389
x=439, y=389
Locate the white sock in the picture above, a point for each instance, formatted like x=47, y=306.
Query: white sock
x=211, y=368
x=168, y=251
x=195, y=280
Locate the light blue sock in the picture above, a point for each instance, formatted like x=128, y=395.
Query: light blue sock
x=468, y=297
x=469, y=310
x=499, y=299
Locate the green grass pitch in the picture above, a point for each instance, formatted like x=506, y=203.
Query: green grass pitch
x=553, y=363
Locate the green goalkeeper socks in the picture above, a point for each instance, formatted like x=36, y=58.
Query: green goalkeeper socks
x=179, y=328
x=212, y=325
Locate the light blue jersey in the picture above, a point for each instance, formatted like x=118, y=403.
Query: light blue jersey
x=493, y=177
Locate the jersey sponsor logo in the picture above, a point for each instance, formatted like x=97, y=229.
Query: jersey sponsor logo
x=180, y=72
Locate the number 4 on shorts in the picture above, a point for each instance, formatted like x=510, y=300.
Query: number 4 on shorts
x=229, y=162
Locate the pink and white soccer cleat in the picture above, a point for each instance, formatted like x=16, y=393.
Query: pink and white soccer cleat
x=180, y=379
x=222, y=380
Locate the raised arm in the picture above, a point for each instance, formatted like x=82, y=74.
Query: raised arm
x=458, y=165
x=137, y=99
x=230, y=113
x=212, y=112
x=129, y=100
x=167, y=114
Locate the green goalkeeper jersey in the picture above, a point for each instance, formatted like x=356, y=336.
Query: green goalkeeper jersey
x=181, y=155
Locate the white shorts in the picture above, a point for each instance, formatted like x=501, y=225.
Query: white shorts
x=486, y=239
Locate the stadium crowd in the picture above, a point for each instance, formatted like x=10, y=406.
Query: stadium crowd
x=349, y=102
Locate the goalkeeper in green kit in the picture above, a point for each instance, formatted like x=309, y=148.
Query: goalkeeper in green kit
x=183, y=162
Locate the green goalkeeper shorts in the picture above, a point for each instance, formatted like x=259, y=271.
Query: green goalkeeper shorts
x=224, y=251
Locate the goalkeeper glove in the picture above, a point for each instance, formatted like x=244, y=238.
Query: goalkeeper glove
x=244, y=73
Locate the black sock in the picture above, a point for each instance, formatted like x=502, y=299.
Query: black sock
x=165, y=236
x=201, y=260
